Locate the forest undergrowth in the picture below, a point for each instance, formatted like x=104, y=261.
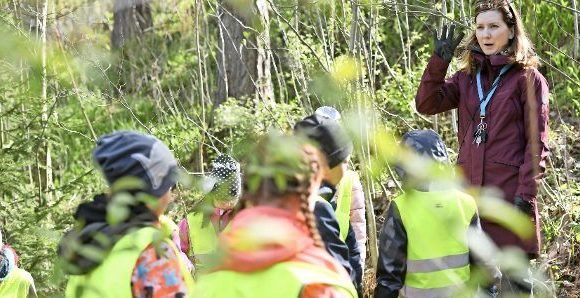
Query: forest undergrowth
x=72, y=70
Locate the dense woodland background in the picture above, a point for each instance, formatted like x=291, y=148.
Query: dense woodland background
x=204, y=76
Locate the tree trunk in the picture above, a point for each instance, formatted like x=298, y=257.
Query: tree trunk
x=243, y=59
x=131, y=19
x=264, y=57
x=45, y=170
x=576, y=31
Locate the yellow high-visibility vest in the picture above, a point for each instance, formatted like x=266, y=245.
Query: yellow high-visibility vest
x=203, y=239
x=17, y=284
x=436, y=224
x=112, y=278
x=343, y=203
x=283, y=280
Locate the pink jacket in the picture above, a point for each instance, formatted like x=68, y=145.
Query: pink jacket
x=358, y=216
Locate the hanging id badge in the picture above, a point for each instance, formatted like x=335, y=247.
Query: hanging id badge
x=480, y=133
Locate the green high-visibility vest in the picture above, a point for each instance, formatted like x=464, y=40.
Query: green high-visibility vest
x=283, y=280
x=203, y=239
x=112, y=279
x=343, y=202
x=17, y=284
x=436, y=224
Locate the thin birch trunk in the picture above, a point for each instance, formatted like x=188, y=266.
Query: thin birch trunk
x=352, y=45
x=332, y=29
x=321, y=26
x=198, y=11
x=48, y=185
x=2, y=128
x=265, y=90
x=462, y=15
x=576, y=31
x=372, y=246
x=408, y=48
x=401, y=38
x=23, y=87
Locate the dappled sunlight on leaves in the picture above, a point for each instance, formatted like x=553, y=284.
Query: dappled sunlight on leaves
x=345, y=69
x=363, y=57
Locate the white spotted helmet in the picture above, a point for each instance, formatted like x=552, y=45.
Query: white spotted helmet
x=224, y=182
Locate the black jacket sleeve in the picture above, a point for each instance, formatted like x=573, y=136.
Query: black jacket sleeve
x=329, y=232
x=354, y=259
x=475, y=227
x=475, y=222
x=392, y=263
x=354, y=254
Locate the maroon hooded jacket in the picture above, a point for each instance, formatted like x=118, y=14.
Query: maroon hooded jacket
x=513, y=158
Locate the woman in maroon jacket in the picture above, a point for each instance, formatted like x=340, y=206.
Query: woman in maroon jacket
x=502, y=102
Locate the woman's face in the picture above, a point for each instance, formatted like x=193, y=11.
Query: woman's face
x=492, y=33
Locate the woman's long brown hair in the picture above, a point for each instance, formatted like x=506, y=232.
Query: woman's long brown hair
x=520, y=48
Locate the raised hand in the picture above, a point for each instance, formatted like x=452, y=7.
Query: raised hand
x=445, y=44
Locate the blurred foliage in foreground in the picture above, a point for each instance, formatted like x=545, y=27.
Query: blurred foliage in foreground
x=365, y=59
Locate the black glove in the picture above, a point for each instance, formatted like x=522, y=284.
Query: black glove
x=445, y=44
x=523, y=205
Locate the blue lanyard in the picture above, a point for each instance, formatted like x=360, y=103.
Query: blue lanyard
x=483, y=101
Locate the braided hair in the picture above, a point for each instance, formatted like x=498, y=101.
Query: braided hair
x=311, y=155
x=281, y=166
x=310, y=220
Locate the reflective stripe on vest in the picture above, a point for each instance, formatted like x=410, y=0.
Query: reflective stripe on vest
x=203, y=239
x=436, y=264
x=436, y=224
x=451, y=291
x=282, y=280
x=17, y=284
x=113, y=277
x=343, y=202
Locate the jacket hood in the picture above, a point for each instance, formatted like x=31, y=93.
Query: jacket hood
x=84, y=249
x=260, y=237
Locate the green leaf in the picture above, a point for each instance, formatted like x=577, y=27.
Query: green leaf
x=92, y=253
x=117, y=213
x=127, y=183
